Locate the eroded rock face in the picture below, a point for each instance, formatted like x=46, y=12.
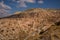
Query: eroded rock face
x=20, y=26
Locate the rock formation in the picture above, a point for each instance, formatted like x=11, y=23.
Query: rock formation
x=29, y=24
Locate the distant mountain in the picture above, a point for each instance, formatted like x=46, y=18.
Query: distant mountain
x=29, y=23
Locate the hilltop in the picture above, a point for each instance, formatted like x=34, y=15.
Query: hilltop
x=31, y=24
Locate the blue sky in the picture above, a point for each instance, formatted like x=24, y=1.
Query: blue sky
x=20, y=5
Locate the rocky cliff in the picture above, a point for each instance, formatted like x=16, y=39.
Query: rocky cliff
x=31, y=24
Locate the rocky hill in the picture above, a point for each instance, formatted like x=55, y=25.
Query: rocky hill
x=31, y=24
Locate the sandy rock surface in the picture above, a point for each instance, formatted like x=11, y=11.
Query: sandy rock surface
x=32, y=24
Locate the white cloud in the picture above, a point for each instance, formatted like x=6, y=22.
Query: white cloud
x=3, y=13
x=4, y=6
x=41, y=1
x=31, y=1
x=4, y=9
x=22, y=2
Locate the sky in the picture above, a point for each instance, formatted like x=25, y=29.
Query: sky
x=12, y=6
